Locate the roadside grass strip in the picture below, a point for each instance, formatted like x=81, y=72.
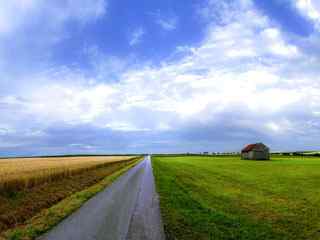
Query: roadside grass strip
x=48, y=218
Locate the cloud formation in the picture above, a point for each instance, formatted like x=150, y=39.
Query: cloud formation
x=246, y=81
x=311, y=9
x=136, y=36
x=15, y=15
x=169, y=24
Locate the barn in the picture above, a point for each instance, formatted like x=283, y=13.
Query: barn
x=256, y=151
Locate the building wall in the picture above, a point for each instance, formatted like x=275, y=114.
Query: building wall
x=256, y=155
x=261, y=155
x=245, y=155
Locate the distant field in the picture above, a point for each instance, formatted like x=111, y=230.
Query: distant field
x=228, y=198
x=21, y=173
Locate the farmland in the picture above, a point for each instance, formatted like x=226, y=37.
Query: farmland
x=223, y=197
x=31, y=185
x=22, y=173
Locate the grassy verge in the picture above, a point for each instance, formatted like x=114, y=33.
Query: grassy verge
x=228, y=198
x=48, y=218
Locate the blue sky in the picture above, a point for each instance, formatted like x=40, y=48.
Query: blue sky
x=115, y=76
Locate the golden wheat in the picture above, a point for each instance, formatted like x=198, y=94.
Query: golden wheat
x=22, y=173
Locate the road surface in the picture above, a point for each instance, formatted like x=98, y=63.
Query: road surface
x=126, y=210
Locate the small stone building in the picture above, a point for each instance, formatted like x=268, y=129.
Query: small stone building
x=256, y=151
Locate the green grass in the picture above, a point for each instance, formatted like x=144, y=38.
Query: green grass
x=49, y=218
x=229, y=198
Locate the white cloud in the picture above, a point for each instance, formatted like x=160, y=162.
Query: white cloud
x=17, y=14
x=13, y=12
x=136, y=36
x=167, y=24
x=30, y=29
x=310, y=8
x=72, y=104
x=124, y=126
x=275, y=43
x=244, y=69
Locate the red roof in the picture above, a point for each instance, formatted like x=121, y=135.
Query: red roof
x=249, y=147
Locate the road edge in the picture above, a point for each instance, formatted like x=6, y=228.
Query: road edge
x=49, y=218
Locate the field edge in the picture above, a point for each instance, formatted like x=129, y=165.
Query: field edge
x=49, y=218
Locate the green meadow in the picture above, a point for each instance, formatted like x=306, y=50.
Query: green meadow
x=211, y=197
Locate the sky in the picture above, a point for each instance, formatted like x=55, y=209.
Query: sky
x=169, y=76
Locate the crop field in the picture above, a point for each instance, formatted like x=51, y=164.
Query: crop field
x=31, y=185
x=22, y=173
x=207, y=197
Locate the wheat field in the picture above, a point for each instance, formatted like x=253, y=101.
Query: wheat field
x=22, y=173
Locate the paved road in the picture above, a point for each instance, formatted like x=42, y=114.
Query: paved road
x=126, y=210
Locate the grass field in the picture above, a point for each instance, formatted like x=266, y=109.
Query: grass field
x=21, y=173
x=229, y=198
x=53, y=179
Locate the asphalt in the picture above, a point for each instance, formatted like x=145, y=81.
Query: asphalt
x=126, y=210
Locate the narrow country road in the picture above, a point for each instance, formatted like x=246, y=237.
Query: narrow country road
x=128, y=210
